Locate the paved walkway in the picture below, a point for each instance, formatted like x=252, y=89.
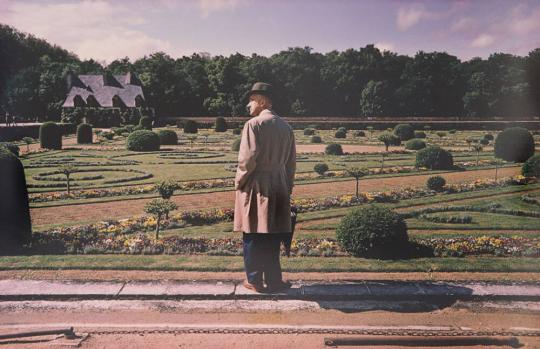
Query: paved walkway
x=14, y=289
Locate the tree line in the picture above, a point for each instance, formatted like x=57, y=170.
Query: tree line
x=355, y=82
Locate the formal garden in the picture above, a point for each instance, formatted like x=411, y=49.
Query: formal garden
x=385, y=199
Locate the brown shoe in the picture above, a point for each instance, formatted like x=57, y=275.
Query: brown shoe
x=258, y=287
x=282, y=286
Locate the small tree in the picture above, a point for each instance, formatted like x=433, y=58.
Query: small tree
x=191, y=140
x=370, y=129
x=28, y=141
x=389, y=139
x=357, y=173
x=67, y=170
x=159, y=208
x=166, y=188
x=383, y=155
x=320, y=168
x=477, y=148
x=498, y=163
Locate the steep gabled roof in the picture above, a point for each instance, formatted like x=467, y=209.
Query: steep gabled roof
x=104, y=87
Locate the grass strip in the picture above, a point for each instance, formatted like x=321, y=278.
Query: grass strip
x=295, y=264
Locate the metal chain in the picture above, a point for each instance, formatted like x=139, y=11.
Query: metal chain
x=367, y=332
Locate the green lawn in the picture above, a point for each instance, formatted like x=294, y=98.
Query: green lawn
x=297, y=264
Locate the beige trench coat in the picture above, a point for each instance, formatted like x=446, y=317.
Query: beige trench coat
x=265, y=175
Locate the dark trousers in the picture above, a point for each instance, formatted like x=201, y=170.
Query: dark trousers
x=261, y=257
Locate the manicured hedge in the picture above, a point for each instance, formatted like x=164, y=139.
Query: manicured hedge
x=146, y=123
x=531, y=167
x=84, y=134
x=12, y=147
x=15, y=223
x=143, y=140
x=372, y=232
x=434, y=158
x=415, y=144
x=404, y=132
x=514, y=144
x=191, y=126
x=167, y=137
x=50, y=136
x=333, y=149
x=221, y=124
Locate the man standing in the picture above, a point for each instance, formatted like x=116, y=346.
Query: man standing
x=263, y=183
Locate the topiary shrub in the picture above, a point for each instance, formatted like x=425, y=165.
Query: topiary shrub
x=50, y=136
x=514, y=144
x=146, y=123
x=320, y=168
x=84, y=134
x=452, y=131
x=191, y=126
x=404, y=131
x=167, y=137
x=434, y=158
x=221, y=124
x=488, y=136
x=237, y=131
x=236, y=145
x=372, y=232
x=333, y=149
x=15, y=223
x=415, y=144
x=436, y=183
x=143, y=140
x=359, y=133
x=484, y=141
x=419, y=134
x=340, y=134
x=342, y=128
x=309, y=132
x=531, y=167
x=316, y=139
x=11, y=147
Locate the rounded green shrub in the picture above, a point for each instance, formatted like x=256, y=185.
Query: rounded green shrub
x=309, y=132
x=484, y=141
x=404, y=132
x=167, y=137
x=143, y=140
x=415, y=144
x=372, y=232
x=531, y=167
x=236, y=145
x=340, y=134
x=436, y=183
x=316, y=139
x=237, y=131
x=419, y=134
x=221, y=124
x=12, y=147
x=84, y=134
x=488, y=136
x=146, y=123
x=50, y=136
x=15, y=223
x=191, y=126
x=333, y=149
x=514, y=144
x=321, y=168
x=452, y=131
x=434, y=158
x=359, y=133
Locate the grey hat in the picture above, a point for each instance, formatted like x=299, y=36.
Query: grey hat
x=261, y=88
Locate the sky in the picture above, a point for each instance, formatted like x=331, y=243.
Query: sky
x=106, y=30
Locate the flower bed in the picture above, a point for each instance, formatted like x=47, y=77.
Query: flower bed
x=96, y=242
